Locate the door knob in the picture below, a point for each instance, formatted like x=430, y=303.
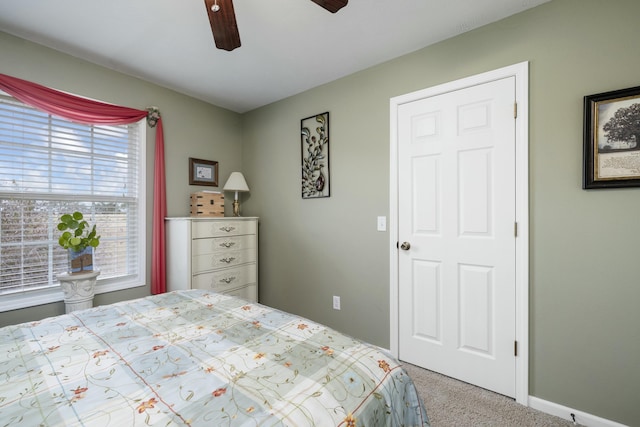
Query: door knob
x=405, y=246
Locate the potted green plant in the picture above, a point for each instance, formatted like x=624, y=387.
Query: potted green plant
x=79, y=238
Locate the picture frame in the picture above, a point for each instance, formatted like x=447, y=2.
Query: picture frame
x=314, y=149
x=203, y=172
x=612, y=139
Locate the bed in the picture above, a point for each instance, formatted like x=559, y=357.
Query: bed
x=197, y=358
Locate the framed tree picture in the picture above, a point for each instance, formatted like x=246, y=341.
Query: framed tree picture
x=314, y=146
x=612, y=139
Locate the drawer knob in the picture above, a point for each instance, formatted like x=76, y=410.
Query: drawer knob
x=227, y=260
x=227, y=229
x=227, y=244
x=228, y=280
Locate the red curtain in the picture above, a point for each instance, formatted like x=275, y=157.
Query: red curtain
x=158, y=266
x=91, y=112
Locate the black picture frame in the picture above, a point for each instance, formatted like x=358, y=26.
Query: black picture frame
x=612, y=139
x=314, y=149
x=203, y=172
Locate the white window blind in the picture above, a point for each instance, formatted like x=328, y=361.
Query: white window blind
x=50, y=166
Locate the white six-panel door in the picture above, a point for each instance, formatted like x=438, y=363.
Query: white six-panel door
x=457, y=211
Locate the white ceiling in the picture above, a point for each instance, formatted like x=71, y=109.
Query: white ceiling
x=288, y=46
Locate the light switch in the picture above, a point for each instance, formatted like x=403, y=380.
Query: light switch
x=382, y=223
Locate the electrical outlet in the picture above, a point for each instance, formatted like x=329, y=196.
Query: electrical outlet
x=336, y=302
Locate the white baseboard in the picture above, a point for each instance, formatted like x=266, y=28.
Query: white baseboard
x=581, y=418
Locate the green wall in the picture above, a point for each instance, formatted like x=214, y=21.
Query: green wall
x=584, y=293
x=584, y=276
x=192, y=128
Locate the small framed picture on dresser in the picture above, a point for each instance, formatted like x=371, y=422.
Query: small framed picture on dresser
x=203, y=172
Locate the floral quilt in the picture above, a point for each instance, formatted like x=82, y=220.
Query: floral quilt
x=201, y=359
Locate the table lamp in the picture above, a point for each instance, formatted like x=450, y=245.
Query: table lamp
x=236, y=182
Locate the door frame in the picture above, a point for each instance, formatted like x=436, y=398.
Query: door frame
x=521, y=73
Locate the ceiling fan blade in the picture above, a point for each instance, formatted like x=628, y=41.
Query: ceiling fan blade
x=223, y=24
x=331, y=5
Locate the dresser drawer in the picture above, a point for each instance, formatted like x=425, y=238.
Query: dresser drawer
x=226, y=279
x=202, y=229
x=206, y=262
x=215, y=245
x=249, y=292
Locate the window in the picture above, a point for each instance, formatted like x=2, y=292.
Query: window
x=50, y=166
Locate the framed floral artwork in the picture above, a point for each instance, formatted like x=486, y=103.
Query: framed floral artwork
x=314, y=146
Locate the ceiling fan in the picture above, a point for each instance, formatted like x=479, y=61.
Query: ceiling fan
x=223, y=20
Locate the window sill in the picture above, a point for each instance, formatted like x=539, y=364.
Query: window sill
x=53, y=294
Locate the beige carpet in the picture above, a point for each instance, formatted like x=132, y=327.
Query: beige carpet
x=453, y=403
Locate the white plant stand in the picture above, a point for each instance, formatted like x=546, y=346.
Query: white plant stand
x=78, y=289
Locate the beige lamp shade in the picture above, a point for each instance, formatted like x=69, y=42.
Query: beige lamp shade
x=236, y=182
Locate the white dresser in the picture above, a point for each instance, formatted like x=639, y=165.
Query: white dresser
x=220, y=254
